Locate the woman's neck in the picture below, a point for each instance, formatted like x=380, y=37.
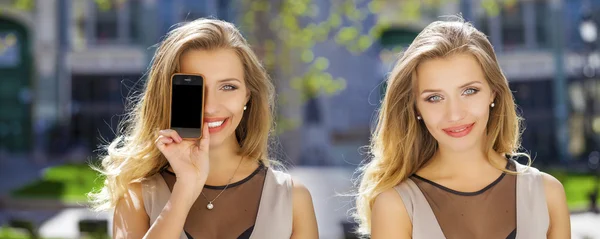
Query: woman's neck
x=225, y=156
x=470, y=163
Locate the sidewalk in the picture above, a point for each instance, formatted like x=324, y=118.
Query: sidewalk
x=585, y=226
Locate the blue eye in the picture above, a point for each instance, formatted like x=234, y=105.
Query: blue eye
x=229, y=87
x=434, y=98
x=470, y=91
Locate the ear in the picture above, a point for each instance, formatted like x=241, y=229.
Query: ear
x=247, y=96
x=492, y=97
x=417, y=112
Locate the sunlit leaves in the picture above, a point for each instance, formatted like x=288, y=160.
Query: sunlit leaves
x=24, y=5
x=287, y=32
x=491, y=7
x=307, y=56
x=346, y=35
x=322, y=63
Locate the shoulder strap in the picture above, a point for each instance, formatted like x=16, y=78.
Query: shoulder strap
x=533, y=219
x=424, y=222
x=274, y=219
x=155, y=194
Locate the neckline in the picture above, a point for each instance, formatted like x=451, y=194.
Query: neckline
x=478, y=192
x=231, y=185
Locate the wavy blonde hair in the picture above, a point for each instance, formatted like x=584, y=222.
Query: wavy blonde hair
x=400, y=145
x=133, y=156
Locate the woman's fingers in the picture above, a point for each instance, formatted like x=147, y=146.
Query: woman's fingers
x=162, y=141
x=204, y=143
x=166, y=137
x=171, y=134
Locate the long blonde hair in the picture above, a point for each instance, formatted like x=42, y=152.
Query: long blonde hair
x=133, y=156
x=400, y=145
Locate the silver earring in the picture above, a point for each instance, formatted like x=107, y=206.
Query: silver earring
x=493, y=105
x=247, y=107
x=419, y=117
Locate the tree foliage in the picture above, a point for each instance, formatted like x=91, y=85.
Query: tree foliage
x=285, y=32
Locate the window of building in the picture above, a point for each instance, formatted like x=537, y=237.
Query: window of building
x=135, y=16
x=542, y=17
x=10, y=51
x=98, y=105
x=106, y=29
x=513, y=28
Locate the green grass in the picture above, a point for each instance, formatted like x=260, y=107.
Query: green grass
x=69, y=182
x=577, y=188
x=9, y=233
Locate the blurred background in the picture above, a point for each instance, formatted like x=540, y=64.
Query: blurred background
x=67, y=67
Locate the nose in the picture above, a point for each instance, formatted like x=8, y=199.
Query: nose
x=455, y=110
x=210, y=104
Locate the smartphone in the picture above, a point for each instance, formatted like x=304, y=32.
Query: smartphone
x=187, y=105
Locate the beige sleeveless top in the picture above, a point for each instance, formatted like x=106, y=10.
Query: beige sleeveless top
x=274, y=216
x=529, y=200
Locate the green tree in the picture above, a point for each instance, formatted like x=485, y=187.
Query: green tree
x=285, y=32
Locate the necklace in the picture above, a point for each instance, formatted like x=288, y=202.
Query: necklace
x=210, y=205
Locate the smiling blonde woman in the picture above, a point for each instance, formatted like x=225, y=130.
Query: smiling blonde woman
x=221, y=186
x=442, y=153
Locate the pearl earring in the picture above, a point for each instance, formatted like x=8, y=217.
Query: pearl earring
x=493, y=105
x=247, y=107
x=419, y=117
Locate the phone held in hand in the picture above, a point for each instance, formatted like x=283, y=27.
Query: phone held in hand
x=187, y=105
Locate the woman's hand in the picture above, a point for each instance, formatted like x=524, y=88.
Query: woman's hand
x=188, y=158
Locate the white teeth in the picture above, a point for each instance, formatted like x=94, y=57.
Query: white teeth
x=215, y=124
x=460, y=130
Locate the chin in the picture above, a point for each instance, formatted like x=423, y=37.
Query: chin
x=219, y=140
x=461, y=144
x=215, y=141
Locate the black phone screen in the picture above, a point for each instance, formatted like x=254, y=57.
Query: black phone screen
x=186, y=105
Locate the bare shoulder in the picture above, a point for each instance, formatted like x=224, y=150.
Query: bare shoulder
x=130, y=218
x=299, y=191
x=132, y=199
x=557, y=208
x=389, y=217
x=389, y=199
x=304, y=219
x=552, y=186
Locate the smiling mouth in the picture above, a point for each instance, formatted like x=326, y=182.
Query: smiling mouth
x=458, y=130
x=215, y=124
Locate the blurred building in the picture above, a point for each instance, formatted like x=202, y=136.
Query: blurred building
x=67, y=66
x=523, y=35
x=110, y=49
x=27, y=57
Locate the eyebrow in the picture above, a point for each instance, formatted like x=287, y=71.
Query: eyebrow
x=229, y=79
x=462, y=86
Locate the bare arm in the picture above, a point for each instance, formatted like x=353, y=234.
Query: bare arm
x=131, y=220
x=560, y=221
x=169, y=223
x=304, y=223
x=389, y=218
x=189, y=160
